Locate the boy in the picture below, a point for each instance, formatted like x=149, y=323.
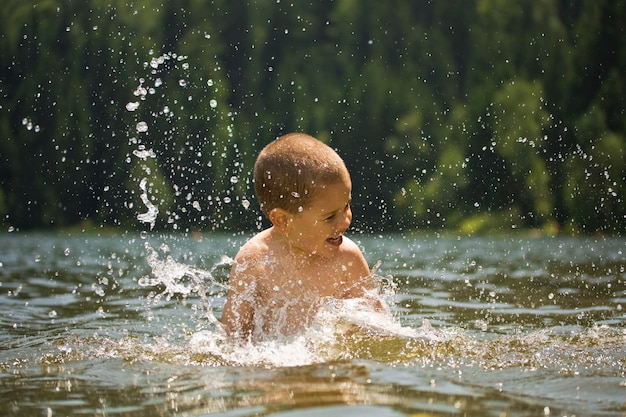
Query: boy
x=282, y=275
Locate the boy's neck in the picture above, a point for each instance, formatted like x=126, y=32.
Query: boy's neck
x=298, y=256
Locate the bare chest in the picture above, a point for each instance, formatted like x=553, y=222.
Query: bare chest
x=302, y=282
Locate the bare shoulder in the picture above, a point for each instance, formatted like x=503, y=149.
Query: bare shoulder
x=250, y=265
x=350, y=250
x=352, y=260
x=350, y=247
x=356, y=272
x=254, y=249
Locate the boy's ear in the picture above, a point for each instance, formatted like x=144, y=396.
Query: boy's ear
x=280, y=218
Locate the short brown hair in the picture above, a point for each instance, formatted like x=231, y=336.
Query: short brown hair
x=291, y=169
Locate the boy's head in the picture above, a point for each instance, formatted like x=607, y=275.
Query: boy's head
x=291, y=170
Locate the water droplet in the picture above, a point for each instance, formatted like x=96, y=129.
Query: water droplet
x=209, y=83
x=196, y=205
x=182, y=83
x=227, y=200
x=144, y=154
x=245, y=203
x=213, y=103
x=66, y=252
x=98, y=290
x=140, y=91
x=143, y=234
x=132, y=106
x=142, y=127
x=234, y=179
x=52, y=314
x=155, y=62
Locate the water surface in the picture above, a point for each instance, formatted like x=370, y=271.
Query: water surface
x=105, y=325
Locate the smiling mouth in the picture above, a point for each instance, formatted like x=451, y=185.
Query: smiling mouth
x=335, y=241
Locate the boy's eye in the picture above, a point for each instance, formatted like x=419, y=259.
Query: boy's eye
x=332, y=216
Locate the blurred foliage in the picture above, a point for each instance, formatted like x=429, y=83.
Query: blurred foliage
x=487, y=115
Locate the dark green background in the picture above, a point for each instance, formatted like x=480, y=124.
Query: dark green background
x=469, y=115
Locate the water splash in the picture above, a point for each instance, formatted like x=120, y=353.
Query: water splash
x=341, y=329
x=142, y=91
x=179, y=279
x=343, y=332
x=144, y=154
x=150, y=215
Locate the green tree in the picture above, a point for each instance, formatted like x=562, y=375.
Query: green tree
x=519, y=120
x=447, y=116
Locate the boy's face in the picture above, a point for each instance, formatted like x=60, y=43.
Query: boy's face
x=319, y=227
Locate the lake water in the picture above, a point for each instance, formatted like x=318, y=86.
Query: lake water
x=120, y=325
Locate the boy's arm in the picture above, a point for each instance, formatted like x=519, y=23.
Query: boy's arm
x=238, y=315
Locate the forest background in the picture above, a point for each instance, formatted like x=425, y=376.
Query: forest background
x=472, y=116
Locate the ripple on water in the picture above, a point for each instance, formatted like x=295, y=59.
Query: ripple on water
x=520, y=327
